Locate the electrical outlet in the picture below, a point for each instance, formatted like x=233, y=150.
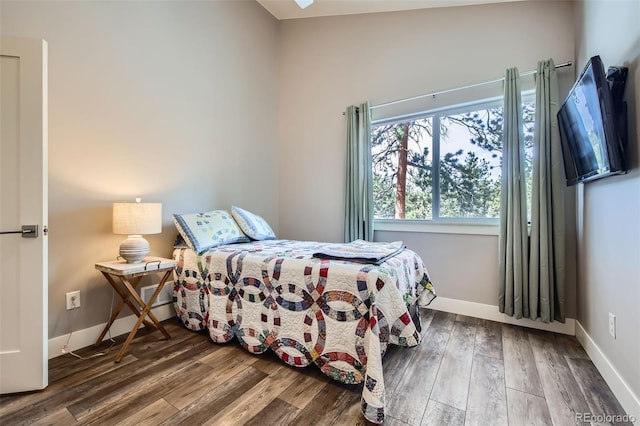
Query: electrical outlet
x=612, y=325
x=73, y=300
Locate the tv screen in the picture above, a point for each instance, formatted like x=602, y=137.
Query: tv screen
x=591, y=144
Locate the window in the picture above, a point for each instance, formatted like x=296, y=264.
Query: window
x=444, y=165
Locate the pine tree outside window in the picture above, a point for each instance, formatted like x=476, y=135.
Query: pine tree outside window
x=444, y=165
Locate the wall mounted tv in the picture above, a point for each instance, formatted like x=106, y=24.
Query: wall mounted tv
x=592, y=122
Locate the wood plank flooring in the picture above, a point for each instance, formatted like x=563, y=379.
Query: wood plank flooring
x=466, y=371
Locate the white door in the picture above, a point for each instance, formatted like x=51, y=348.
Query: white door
x=23, y=201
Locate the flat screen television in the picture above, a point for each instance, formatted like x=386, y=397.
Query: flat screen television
x=592, y=125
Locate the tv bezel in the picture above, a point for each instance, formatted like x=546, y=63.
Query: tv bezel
x=606, y=109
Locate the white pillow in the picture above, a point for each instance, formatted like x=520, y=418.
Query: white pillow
x=202, y=231
x=253, y=225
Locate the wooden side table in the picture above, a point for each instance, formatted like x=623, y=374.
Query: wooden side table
x=124, y=278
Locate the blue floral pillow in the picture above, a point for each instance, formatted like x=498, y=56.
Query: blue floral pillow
x=253, y=225
x=202, y=231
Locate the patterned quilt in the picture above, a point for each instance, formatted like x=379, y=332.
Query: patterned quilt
x=336, y=314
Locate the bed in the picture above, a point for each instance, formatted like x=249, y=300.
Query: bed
x=335, y=306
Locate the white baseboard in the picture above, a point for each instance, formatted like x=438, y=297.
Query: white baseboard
x=88, y=336
x=491, y=312
x=629, y=401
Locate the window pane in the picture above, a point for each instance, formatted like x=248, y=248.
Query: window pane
x=528, y=113
x=470, y=158
x=462, y=181
x=402, y=169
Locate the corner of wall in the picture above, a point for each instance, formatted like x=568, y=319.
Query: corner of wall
x=620, y=388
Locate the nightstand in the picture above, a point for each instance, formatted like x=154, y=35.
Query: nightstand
x=124, y=278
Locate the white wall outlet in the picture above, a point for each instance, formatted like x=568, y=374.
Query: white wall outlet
x=73, y=300
x=612, y=325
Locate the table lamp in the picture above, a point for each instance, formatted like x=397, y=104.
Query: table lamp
x=135, y=220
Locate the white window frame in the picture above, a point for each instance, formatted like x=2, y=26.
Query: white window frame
x=473, y=226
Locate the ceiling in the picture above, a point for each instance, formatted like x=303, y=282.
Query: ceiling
x=288, y=9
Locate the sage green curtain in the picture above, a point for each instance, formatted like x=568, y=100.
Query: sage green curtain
x=547, y=249
x=513, y=297
x=358, y=202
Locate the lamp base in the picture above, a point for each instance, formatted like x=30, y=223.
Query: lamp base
x=134, y=249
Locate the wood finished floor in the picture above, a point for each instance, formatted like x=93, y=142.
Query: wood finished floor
x=466, y=371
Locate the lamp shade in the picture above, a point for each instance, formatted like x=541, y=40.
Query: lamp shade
x=137, y=218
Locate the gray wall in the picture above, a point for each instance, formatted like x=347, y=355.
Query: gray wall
x=176, y=102
x=609, y=209
x=330, y=63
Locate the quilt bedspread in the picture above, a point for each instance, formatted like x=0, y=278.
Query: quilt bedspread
x=336, y=314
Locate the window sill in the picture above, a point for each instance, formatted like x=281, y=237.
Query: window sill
x=427, y=226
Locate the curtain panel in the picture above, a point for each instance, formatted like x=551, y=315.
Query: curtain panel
x=358, y=201
x=532, y=266
x=547, y=247
x=513, y=253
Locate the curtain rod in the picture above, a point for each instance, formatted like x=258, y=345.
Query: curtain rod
x=523, y=74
